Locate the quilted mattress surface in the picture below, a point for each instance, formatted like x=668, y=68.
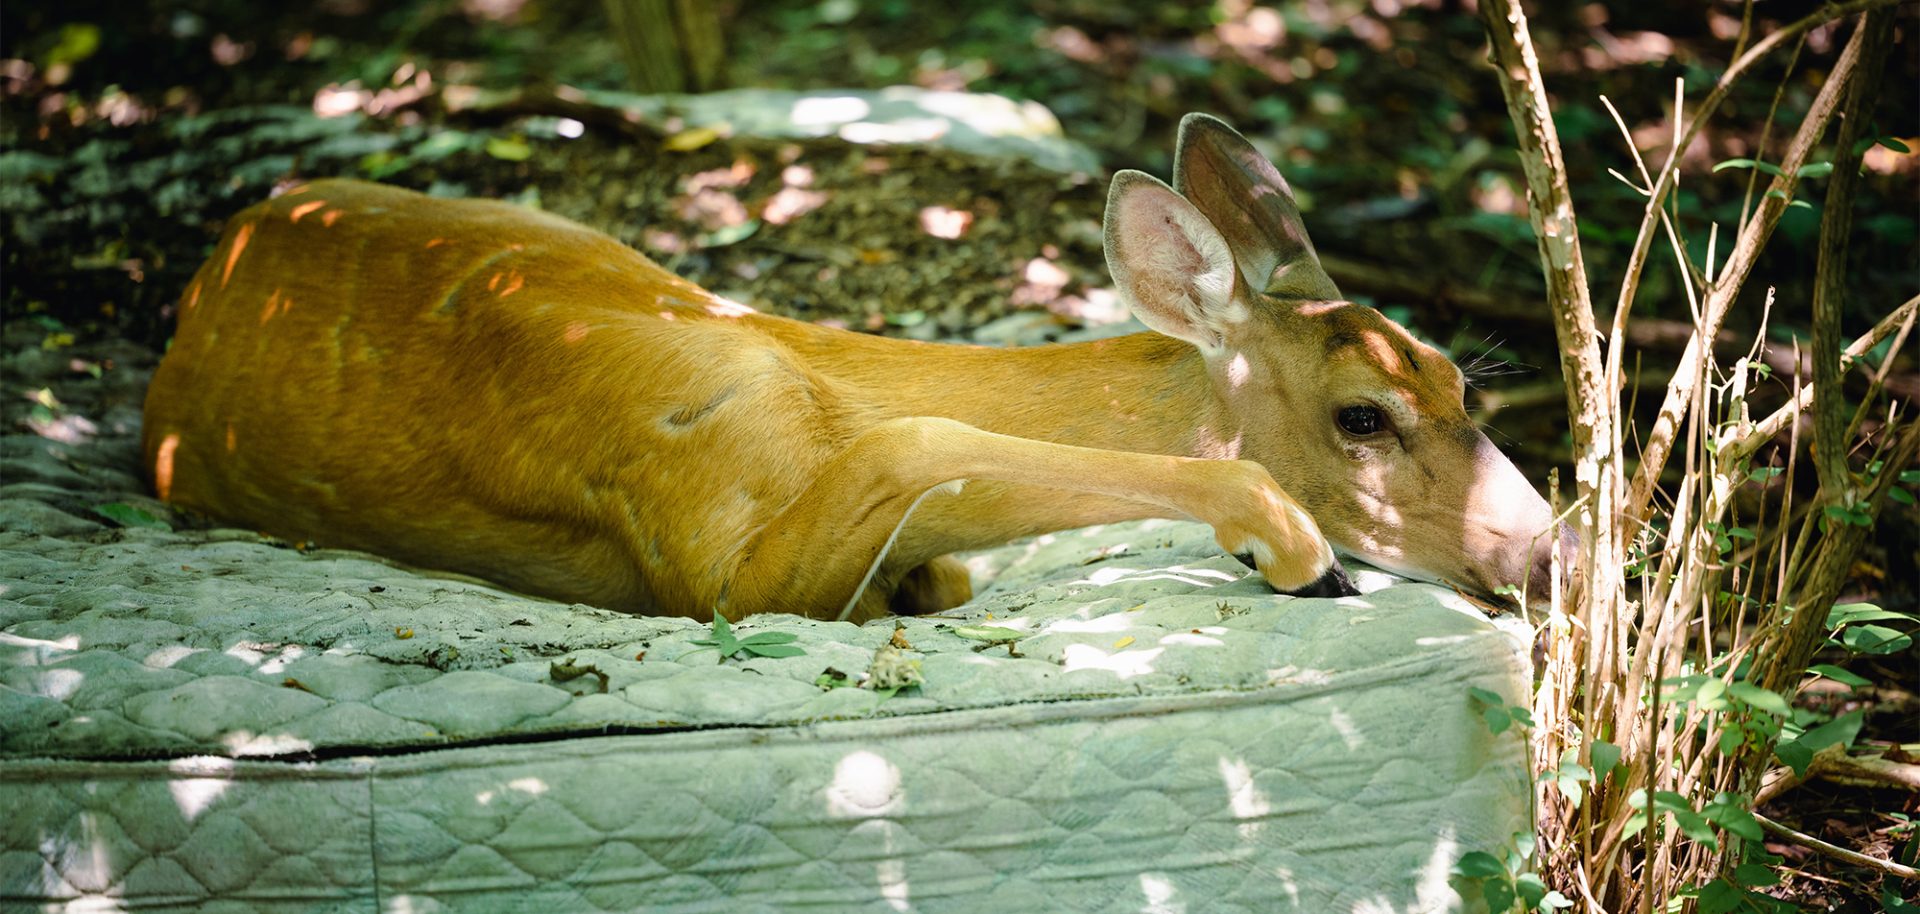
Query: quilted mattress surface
x=1122, y=720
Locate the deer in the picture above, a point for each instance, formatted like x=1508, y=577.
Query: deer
x=483, y=388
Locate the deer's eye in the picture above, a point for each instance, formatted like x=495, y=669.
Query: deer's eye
x=1360, y=421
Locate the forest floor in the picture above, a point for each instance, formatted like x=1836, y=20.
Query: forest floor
x=124, y=148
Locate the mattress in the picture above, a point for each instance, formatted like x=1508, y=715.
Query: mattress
x=1122, y=720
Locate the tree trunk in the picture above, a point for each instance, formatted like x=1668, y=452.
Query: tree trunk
x=669, y=45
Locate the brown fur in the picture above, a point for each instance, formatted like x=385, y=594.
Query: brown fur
x=478, y=387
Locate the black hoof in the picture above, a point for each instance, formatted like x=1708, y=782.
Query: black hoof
x=1334, y=583
x=1246, y=558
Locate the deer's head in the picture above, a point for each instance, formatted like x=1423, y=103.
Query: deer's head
x=1363, y=424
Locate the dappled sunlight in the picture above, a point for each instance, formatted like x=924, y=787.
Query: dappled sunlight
x=165, y=657
x=1197, y=577
x=1094, y=307
x=1159, y=893
x=278, y=303
x=531, y=787
x=1248, y=803
x=867, y=787
x=945, y=222
x=163, y=466
x=506, y=282
x=303, y=210
x=1103, y=624
x=829, y=111
x=905, y=130
x=1208, y=444
x=1198, y=637
x=1434, y=889
x=245, y=742
x=57, y=684
x=1293, y=675
x=864, y=784
x=722, y=307
x=40, y=651
x=79, y=862
x=1125, y=664
x=1349, y=733
x=198, y=781
x=241, y=236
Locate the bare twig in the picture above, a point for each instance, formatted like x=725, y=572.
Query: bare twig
x=1753, y=238
x=1837, y=852
x=1764, y=430
x=1791, y=647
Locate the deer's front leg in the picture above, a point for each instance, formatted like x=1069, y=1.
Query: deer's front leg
x=820, y=549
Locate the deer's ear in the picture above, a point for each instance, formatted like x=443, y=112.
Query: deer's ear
x=1245, y=197
x=1170, y=265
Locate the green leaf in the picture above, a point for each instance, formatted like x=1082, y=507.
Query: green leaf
x=1895, y=145
x=1761, y=699
x=729, y=234
x=1816, y=169
x=1875, y=639
x=78, y=41
x=1569, y=776
x=1710, y=695
x=1605, y=757
x=1754, y=874
x=1669, y=800
x=1735, y=819
x=1837, y=674
x=129, y=516
x=773, y=650
x=443, y=143
x=1498, y=720
x=1890, y=898
x=1749, y=163
x=1531, y=889
x=1844, y=613
x=1487, y=697
x=1521, y=716
x=720, y=637
x=1900, y=495
x=1554, y=901
x=1910, y=477
x=1793, y=754
x=1762, y=474
x=1695, y=826
x=510, y=149
x=768, y=638
x=1721, y=896
x=1499, y=895
x=1479, y=865
x=1840, y=731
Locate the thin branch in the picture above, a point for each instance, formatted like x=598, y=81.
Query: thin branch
x=1837, y=852
x=1764, y=430
x=1753, y=238
x=1630, y=285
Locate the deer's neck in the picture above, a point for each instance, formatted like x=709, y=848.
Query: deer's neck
x=1144, y=392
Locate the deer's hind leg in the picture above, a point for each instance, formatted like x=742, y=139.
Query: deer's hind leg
x=936, y=586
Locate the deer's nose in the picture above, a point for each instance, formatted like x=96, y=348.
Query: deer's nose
x=1540, y=575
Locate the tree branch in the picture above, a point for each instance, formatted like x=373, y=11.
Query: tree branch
x=1753, y=238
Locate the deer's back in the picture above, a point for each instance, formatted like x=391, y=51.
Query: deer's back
x=475, y=386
